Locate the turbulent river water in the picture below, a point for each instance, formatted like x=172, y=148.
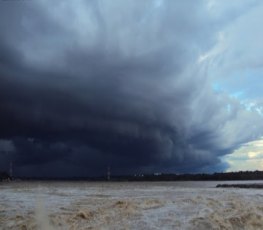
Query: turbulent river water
x=128, y=205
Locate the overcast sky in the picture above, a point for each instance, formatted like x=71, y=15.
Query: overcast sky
x=141, y=86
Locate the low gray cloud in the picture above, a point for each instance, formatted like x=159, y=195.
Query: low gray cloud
x=89, y=84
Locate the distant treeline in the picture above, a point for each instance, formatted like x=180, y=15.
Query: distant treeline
x=242, y=175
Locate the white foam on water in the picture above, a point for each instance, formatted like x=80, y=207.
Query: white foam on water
x=170, y=205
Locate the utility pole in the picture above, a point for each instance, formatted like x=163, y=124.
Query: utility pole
x=11, y=170
x=108, y=173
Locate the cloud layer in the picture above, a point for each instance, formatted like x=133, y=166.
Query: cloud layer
x=89, y=84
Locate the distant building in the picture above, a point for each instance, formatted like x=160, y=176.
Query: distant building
x=157, y=174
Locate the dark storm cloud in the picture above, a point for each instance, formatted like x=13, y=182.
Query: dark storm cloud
x=85, y=85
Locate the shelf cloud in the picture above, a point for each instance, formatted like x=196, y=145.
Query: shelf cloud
x=129, y=84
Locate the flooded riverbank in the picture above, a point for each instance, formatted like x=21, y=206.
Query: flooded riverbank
x=130, y=205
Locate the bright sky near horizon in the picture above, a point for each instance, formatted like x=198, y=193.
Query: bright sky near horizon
x=239, y=73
